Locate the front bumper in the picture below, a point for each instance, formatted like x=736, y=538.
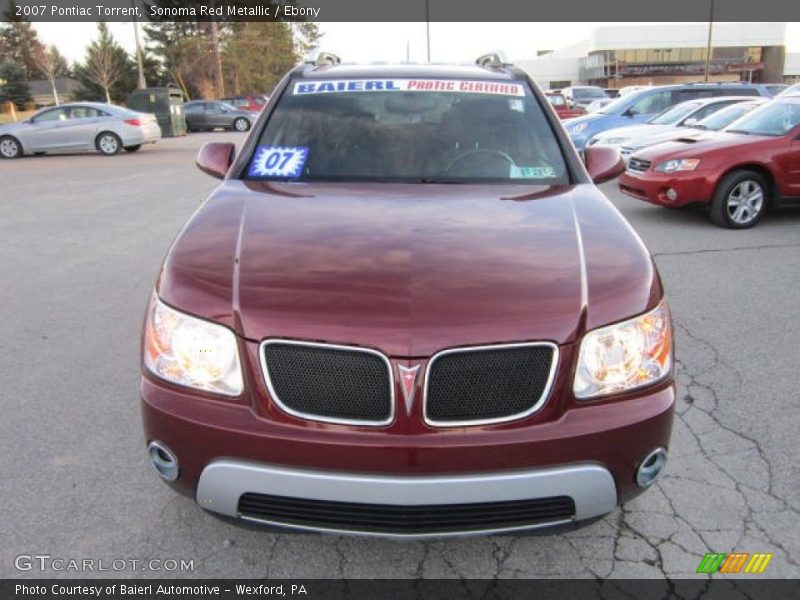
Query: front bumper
x=224, y=482
x=651, y=186
x=589, y=452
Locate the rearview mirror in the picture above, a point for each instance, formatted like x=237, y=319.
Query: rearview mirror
x=215, y=158
x=603, y=163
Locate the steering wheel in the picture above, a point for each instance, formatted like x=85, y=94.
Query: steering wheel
x=474, y=152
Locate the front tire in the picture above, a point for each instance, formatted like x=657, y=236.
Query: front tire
x=132, y=148
x=108, y=143
x=740, y=200
x=241, y=124
x=10, y=147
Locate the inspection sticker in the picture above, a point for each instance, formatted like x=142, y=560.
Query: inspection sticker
x=531, y=172
x=278, y=161
x=408, y=85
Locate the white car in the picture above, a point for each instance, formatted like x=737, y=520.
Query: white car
x=663, y=126
x=79, y=126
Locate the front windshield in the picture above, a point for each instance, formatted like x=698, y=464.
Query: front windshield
x=774, y=118
x=724, y=117
x=618, y=105
x=673, y=115
x=586, y=93
x=408, y=130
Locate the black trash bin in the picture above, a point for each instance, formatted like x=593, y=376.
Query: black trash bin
x=166, y=103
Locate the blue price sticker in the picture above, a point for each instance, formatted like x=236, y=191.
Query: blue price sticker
x=278, y=161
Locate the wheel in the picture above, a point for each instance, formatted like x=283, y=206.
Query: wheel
x=10, y=148
x=132, y=148
x=241, y=124
x=108, y=143
x=740, y=200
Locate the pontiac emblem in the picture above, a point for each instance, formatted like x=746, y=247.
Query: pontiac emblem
x=408, y=378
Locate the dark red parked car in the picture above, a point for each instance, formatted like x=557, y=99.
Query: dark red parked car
x=251, y=102
x=563, y=110
x=408, y=311
x=751, y=165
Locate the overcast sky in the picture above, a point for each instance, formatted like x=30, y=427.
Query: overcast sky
x=364, y=42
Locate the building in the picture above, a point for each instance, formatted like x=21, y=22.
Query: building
x=664, y=53
x=42, y=91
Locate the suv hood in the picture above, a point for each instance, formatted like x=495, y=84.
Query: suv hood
x=690, y=144
x=409, y=269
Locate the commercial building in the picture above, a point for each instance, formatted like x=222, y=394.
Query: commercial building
x=616, y=56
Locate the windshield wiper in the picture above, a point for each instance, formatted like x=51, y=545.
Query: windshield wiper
x=742, y=131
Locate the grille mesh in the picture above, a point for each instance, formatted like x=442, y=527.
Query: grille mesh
x=488, y=384
x=330, y=383
x=638, y=164
x=381, y=518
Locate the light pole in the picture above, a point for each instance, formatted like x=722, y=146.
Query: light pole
x=708, y=44
x=428, y=27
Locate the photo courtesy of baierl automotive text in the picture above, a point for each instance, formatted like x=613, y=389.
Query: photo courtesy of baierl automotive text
x=372, y=299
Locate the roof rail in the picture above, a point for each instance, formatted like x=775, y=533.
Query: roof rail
x=319, y=58
x=495, y=59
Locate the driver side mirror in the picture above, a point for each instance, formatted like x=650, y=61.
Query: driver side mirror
x=690, y=122
x=629, y=112
x=215, y=158
x=603, y=163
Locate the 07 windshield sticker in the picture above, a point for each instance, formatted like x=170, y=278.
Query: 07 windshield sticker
x=407, y=85
x=278, y=161
x=531, y=172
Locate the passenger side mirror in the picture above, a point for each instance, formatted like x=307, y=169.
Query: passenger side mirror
x=603, y=163
x=215, y=158
x=690, y=122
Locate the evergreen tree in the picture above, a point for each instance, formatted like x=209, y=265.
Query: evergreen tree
x=15, y=86
x=19, y=43
x=108, y=72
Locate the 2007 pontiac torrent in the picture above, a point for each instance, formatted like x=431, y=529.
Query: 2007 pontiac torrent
x=407, y=311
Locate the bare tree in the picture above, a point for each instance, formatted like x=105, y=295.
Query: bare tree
x=48, y=60
x=105, y=61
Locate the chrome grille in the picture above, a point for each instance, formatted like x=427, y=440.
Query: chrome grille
x=638, y=164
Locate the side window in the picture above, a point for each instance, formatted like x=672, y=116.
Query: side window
x=652, y=103
x=193, y=108
x=57, y=114
x=693, y=94
x=84, y=112
x=211, y=107
x=709, y=109
x=738, y=91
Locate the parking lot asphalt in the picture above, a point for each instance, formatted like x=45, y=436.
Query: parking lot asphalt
x=81, y=240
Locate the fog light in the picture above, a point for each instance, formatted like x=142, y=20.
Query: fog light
x=163, y=460
x=672, y=195
x=651, y=467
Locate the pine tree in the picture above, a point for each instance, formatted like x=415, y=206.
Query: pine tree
x=15, y=86
x=19, y=43
x=107, y=72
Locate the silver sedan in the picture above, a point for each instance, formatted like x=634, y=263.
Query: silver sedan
x=79, y=126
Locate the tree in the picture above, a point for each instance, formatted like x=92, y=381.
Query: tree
x=105, y=70
x=19, y=43
x=257, y=54
x=15, y=85
x=52, y=65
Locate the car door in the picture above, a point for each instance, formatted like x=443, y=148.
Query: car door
x=792, y=161
x=194, y=114
x=214, y=115
x=81, y=127
x=45, y=131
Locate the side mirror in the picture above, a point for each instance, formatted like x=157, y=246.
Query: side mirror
x=603, y=163
x=690, y=122
x=629, y=112
x=215, y=158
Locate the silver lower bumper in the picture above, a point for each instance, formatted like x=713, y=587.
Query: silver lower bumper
x=590, y=486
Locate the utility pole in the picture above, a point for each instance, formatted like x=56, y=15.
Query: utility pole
x=428, y=27
x=142, y=83
x=708, y=44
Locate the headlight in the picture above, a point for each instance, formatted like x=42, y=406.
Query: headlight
x=577, y=128
x=615, y=141
x=682, y=164
x=625, y=356
x=191, y=352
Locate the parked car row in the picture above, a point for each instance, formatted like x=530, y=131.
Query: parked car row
x=739, y=172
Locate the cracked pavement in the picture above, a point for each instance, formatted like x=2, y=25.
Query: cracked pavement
x=81, y=247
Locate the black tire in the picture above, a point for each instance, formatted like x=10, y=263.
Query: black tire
x=132, y=148
x=10, y=147
x=108, y=143
x=740, y=200
x=240, y=124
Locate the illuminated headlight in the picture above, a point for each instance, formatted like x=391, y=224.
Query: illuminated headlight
x=577, y=128
x=190, y=351
x=682, y=164
x=625, y=356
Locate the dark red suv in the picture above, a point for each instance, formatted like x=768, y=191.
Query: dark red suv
x=408, y=311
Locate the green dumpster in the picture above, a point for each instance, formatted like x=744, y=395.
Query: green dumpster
x=166, y=103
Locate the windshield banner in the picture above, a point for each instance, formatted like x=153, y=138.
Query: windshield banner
x=408, y=85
